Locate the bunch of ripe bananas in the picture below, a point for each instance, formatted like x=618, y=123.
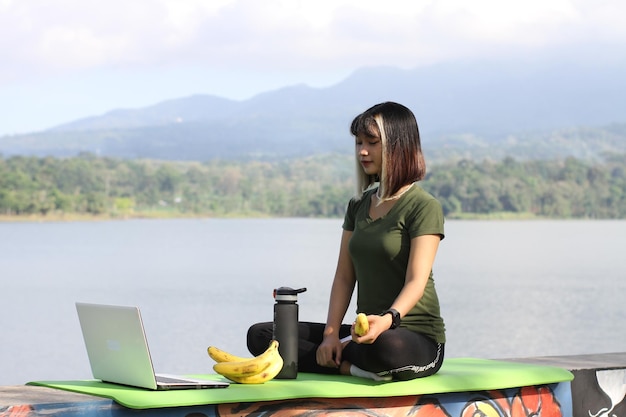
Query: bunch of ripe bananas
x=256, y=370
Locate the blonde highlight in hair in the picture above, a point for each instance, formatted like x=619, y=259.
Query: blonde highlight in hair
x=365, y=124
x=380, y=122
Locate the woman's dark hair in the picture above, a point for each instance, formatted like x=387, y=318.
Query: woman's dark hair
x=403, y=161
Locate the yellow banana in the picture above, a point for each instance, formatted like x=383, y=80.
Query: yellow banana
x=276, y=365
x=239, y=370
x=361, y=325
x=248, y=367
x=218, y=355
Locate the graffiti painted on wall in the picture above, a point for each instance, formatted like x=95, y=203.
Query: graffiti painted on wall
x=525, y=402
x=599, y=393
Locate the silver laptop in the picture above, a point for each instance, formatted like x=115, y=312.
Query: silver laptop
x=118, y=350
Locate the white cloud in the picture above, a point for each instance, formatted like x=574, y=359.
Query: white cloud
x=493, y=21
x=298, y=34
x=144, y=49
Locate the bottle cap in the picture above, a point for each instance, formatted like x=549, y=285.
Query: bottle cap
x=287, y=293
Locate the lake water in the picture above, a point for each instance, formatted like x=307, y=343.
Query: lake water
x=507, y=288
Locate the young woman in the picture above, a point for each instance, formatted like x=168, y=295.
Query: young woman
x=391, y=233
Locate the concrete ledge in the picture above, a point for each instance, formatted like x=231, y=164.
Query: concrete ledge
x=572, y=363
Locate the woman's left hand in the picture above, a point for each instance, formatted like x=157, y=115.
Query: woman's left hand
x=378, y=324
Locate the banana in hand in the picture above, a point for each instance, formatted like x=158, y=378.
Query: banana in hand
x=361, y=325
x=256, y=370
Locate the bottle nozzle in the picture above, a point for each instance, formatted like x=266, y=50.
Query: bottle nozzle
x=287, y=293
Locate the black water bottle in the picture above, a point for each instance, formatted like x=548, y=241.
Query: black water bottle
x=286, y=329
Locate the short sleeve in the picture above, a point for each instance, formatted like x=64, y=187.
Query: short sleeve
x=427, y=219
x=349, y=218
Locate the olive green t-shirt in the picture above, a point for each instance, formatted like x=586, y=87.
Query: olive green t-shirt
x=380, y=253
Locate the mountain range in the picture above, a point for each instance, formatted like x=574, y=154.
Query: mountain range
x=488, y=109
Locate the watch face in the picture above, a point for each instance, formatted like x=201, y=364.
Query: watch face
x=396, y=319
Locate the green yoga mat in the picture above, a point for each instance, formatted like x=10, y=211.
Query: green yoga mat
x=456, y=375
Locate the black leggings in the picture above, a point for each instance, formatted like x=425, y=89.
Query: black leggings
x=401, y=353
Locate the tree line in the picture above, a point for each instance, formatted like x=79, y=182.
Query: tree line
x=316, y=186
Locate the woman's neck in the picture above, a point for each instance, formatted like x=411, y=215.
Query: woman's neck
x=396, y=195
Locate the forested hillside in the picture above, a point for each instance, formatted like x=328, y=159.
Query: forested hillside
x=466, y=108
x=316, y=186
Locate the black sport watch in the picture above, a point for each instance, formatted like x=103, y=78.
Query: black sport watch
x=395, y=317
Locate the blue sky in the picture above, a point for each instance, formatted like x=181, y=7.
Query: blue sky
x=67, y=59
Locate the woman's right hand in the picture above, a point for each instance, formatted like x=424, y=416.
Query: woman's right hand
x=329, y=352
